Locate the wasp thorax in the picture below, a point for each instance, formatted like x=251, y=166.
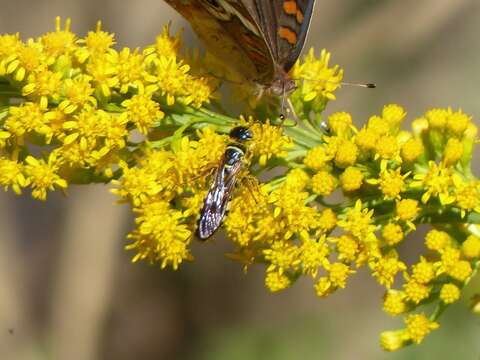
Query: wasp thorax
x=241, y=133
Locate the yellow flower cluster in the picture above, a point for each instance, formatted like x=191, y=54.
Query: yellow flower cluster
x=83, y=99
x=140, y=120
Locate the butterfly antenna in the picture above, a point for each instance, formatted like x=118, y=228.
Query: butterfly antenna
x=345, y=83
x=366, y=85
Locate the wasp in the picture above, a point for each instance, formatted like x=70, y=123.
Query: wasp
x=223, y=183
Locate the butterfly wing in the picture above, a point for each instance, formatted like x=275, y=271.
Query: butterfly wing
x=217, y=199
x=285, y=25
x=229, y=31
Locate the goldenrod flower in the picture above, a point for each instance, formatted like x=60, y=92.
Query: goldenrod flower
x=12, y=175
x=282, y=256
x=323, y=183
x=467, y=194
x=419, y=326
x=386, y=268
x=351, y=179
x=392, y=234
x=449, y=293
x=346, y=155
x=320, y=79
x=60, y=42
x=297, y=179
x=438, y=240
x=317, y=158
x=347, y=247
x=460, y=271
x=393, y=340
x=276, y=281
x=269, y=142
x=394, y=302
x=313, y=254
x=457, y=122
x=142, y=111
x=324, y=287
x=437, y=118
x=160, y=236
x=393, y=114
x=453, y=152
x=415, y=291
x=341, y=124
x=437, y=181
x=358, y=221
x=96, y=42
x=411, y=150
x=391, y=182
x=43, y=175
x=78, y=92
x=366, y=140
x=387, y=148
x=423, y=272
x=471, y=247
x=327, y=220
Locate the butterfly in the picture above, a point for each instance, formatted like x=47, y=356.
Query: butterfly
x=258, y=40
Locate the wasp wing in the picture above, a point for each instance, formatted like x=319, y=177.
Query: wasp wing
x=217, y=198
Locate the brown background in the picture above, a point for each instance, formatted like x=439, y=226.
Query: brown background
x=68, y=290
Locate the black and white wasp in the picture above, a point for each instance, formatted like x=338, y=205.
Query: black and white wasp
x=223, y=184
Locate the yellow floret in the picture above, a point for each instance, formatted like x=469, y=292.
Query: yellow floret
x=392, y=234
x=449, y=293
x=323, y=183
x=471, y=247
x=351, y=179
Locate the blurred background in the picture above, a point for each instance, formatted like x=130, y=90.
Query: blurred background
x=69, y=291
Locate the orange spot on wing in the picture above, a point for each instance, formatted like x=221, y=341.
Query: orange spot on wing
x=290, y=7
x=288, y=34
x=299, y=17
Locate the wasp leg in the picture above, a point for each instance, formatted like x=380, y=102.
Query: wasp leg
x=204, y=174
x=252, y=185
